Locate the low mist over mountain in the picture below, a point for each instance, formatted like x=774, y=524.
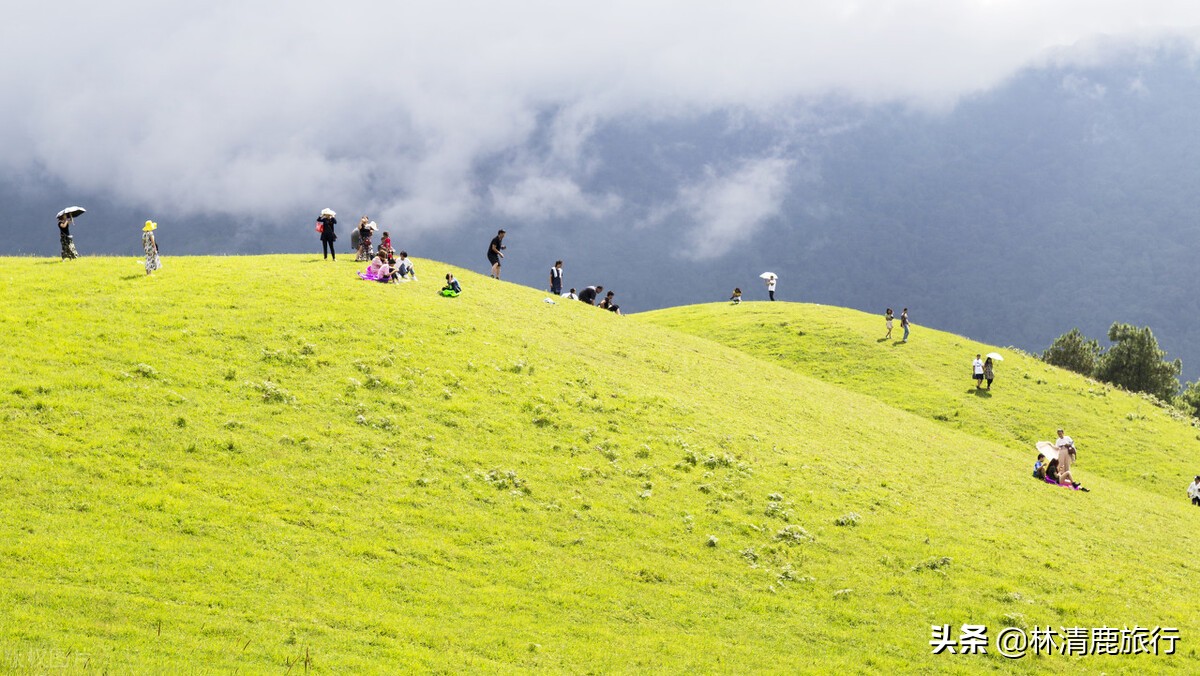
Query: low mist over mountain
x=1064, y=197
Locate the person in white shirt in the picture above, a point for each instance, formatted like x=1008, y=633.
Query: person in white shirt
x=977, y=369
x=771, y=286
x=404, y=268
x=571, y=295
x=1065, y=441
x=1194, y=491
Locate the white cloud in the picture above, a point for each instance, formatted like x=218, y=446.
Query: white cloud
x=541, y=198
x=284, y=107
x=727, y=209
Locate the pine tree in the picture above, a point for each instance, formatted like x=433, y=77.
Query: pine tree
x=1136, y=363
x=1074, y=352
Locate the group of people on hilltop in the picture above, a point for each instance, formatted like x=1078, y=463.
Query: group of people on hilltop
x=69, y=252
x=771, y=280
x=383, y=265
x=588, y=295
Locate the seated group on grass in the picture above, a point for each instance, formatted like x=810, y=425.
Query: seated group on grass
x=1050, y=473
x=589, y=295
x=1058, y=471
x=385, y=268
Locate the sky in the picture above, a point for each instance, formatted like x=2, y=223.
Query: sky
x=264, y=111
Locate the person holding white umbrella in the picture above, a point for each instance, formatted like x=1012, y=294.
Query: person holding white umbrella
x=989, y=372
x=771, y=279
x=66, y=218
x=325, y=225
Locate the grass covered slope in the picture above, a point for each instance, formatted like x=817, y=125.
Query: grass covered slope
x=1121, y=436
x=240, y=463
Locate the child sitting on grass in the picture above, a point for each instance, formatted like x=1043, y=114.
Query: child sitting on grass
x=737, y=296
x=1039, y=467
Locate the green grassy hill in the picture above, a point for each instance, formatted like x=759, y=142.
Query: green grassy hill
x=263, y=464
x=1120, y=436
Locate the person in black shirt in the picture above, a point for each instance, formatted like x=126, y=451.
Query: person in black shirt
x=325, y=222
x=608, y=304
x=496, y=252
x=65, y=239
x=589, y=294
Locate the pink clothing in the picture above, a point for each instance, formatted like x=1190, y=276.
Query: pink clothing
x=1052, y=482
x=374, y=271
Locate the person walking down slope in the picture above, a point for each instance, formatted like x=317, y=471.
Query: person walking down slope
x=977, y=371
x=556, y=278
x=325, y=226
x=771, y=286
x=150, y=246
x=904, y=324
x=887, y=321
x=496, y=252
x=989, y=372
x=1194, y=491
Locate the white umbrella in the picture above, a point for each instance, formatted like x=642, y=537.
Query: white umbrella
x=995, y=356
x=768, y=275
x=71, y=212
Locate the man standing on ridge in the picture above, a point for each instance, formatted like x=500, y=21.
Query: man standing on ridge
x=556, y=278
x=496, y=252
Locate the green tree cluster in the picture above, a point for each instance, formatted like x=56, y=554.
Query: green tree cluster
x=1074, y=352
x=1134, y=362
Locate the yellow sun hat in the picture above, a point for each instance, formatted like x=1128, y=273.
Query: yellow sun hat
x=150, y=225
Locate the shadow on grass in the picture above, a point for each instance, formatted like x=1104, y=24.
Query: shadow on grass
x=126, y=278
x=980, y=392
x=899, y=342
x=50, y=262
x=883, y=340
